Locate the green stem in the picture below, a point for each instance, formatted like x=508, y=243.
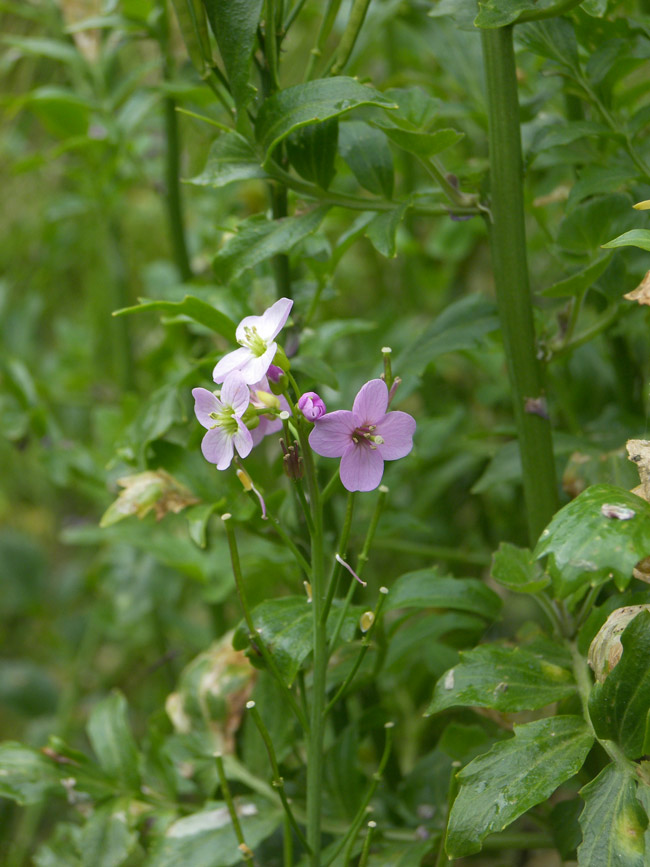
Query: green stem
x=247, y=855
x=350, y=35
x=324, y=31
x=278, y=782
x=286, y=538
x=341, y=549
x=317, y=719
x=550, y=12
x=253, y=634
x=271, y=44
x=365, y=852
x=508, y=242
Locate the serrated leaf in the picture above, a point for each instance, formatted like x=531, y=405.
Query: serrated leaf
x=504, y=678
x=381, y=231
x=590, y=224
x=207, y=838
x=498, y=787
x=579, y=282
x=194, y=308
x=365, y=149
x=566, y=133
x=258, y=239
x=313, y=101
x=286, y=626
x=554, y=38
x=426, y=588
x=600, y=535
x=27, y=776
x=515, y=569
x=612, y=821
x=619, y=705
x=231, y=158
x=312, y=151
x=105, y=839
x=460, y=326
x=234, y=24
x=110, y=735
x=634, y=238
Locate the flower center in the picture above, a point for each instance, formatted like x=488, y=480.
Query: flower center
x=363, y=435
x=253, y=341
x=226, y=420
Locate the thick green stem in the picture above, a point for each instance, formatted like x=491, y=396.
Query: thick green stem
x=508, y=241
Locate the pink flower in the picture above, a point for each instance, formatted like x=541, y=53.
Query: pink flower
x=256, y=336
x=311, y=405
x=365, y=437
x=222, y=417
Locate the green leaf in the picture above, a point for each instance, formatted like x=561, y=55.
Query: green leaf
x=382, y=229
x=634, y=238
x=112, y=741
x=422, y=144
x=197, y=520
x=365, y=149
x=286, y=627
x=27, y=776
x=559, y=135
x=402, y=854
x=207, y=838
x=460, y=326
x=234, y=24
x=194, y=308
x=316, y=371
x=53, y=49
x=194, y=30
x=426, y=588
x=63, y=112
x=554, y=39
x=619, y=705
x=500, y=13
x=602, y=534
x=231, y=158
x=612, y=821
x=590, y=224
x=311, y=102
x=105, y=839
x=312, y=151
x=503, y=678
x=515, y=569
x=579, y=282
x=498, y=787
x=258, y=239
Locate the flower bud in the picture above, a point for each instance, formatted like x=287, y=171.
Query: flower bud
x=278, y=380
x=366, y=620
x=268, y=400
x=311, y=406
x=606, y=648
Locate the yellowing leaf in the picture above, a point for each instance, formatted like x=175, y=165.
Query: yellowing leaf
x=154, y=489
x=642, y=291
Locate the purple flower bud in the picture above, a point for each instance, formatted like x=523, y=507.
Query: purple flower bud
x=311, y=406
x=274, y=373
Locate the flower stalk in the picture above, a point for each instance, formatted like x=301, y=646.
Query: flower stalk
x=508, y=242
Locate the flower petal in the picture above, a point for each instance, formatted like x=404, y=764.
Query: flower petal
x=235, y=360
x=235, y=393
x=272, y=320
x=243, y=440
x=256, y=366
x=397, y=429
x=217, y=448
x=332, y=434
x=371, y=403
x=361, y=468
x=205, y=402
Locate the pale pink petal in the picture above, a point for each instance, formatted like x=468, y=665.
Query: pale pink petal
x=235, y=360
x=332, y=434
x=272, y=320
x=397, y=429
x=258, y=433
x=205, y=402
x=256, y=366
x=217, y=448
x=371, y=403
x=243, y=439
x=235, y=393
x=361, y=468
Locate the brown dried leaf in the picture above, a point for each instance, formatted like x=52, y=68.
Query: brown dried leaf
x=638, y=451
x=76, y=11
x=154, y=489
x=642, y=291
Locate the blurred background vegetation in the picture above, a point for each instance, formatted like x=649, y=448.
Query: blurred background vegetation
x=90, y=97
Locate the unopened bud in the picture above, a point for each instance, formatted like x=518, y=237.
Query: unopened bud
x=311, y=405
x=250, y=418
x=366, y=620
x=278, y=380
x=268, y=400
x=248, y=485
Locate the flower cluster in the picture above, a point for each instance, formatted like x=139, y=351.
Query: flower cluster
x=244, y=385
x=246, y=410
